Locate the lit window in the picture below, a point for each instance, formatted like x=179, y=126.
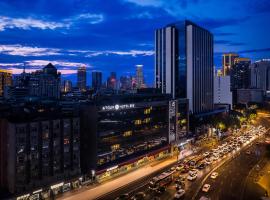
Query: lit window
x=115, y=147
x=66, y=141
x=147, y=111
x=146, y=120
x=138, y=122
x=127, y=133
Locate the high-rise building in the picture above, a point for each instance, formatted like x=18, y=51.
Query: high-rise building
x=260, y=74
x=81, y=78
x=184, y=64
x=240, y=73
x=5, y=80
x=125, y=82
x=139, y=76
x=112, y=81
x=222, y=90
x=96, y=80
x=67, y=86
x=228, y=62
x=45, y=83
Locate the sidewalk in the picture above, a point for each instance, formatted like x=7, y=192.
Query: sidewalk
x=112, y=185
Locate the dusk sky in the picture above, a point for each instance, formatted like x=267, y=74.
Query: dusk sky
x=117, y=35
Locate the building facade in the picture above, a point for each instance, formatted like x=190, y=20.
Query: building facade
x=139, y=77
x=42, y=149
x=184, y=64
x=81, y=78
x=222, y=90
x=96, y=80
x=67, y=86
x=5, y=80
x=127, y=131
x=112, y=82
x=228, y=62
x=260, y=75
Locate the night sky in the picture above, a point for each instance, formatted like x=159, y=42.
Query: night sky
x=117, y=35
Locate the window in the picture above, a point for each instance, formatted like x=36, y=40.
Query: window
x=147, y=111
x=146, y=120
x=127, y=133
x=138, y=122
x=115, y=147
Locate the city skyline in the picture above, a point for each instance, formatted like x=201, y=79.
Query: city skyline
x=70, y=36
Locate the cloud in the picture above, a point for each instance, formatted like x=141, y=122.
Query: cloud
x=56, y=63
x=28, y=23
x=91, y=18
x=17, y=71
x=133, y=53
x=19, y=50
x=255, y=50
x=229, y=43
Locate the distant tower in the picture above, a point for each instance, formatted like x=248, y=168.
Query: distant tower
x=5, y=80
x=228, y=62
x=81, y=78
x=96, y=80
x=112, y=81
x=139, y=76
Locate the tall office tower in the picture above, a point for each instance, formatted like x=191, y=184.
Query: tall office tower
x=240, y=73
x=96, y=80
x=5, y=80
x=81, y=78
x=139, y=76
x=67, y=86
x=112, y=81
x=184, y=64
x=228, y=62
x=260, y=74
x=125, y=82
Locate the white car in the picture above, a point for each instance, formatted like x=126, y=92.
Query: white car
x=193, y=171
x=192, y=177
x=206, y=187
x=214, y=175
x=179, y=194
x=206, y=154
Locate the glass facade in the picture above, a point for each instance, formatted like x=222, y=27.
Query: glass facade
x=128, y=133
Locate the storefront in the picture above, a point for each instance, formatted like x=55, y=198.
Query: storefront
x=57, y=188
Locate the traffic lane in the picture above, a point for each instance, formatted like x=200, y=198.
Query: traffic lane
x=230, y=182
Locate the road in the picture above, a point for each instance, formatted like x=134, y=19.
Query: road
x=232, y=175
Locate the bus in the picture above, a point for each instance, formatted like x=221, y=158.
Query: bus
x=161, y=180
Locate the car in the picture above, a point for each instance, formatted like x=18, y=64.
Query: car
x=123, y=197
x=206, y=154
x=201, y=166
x=179, y=194
x=161, y=189
x=214, y=175
x=138, y=196
x=178, y=186
x=193, y=171
x=248, y=152
x=208, y=161
x=192, y=177
x=206, y=187
x=179, y=167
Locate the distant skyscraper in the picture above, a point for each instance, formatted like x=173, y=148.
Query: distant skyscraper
x=184, y=64
x=260, y=74
x=228, y=62
x=112, y=81
x=81, y=78
x=67, y=86
x=5, y=80
x=139, y=76
x=96, y=80
x=45, y=83
x=240, y=73
x=125, y=82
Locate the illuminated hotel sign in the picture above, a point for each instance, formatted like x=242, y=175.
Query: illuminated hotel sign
x=118, y=107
